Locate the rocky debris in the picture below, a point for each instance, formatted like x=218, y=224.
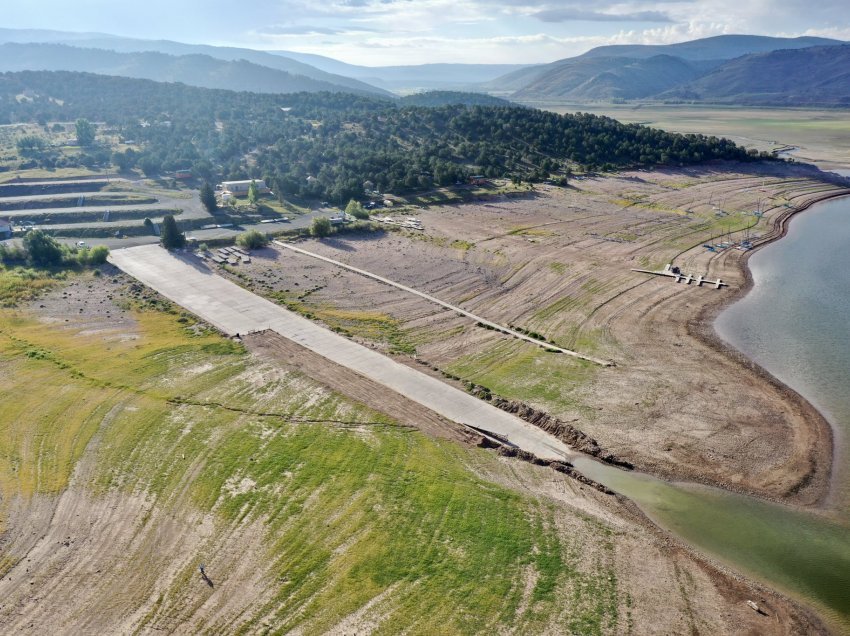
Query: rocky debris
x=564, y=431
x=561, y=467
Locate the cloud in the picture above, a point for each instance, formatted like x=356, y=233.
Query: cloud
x=303, y=29
x=576, y=15
x=296, y=29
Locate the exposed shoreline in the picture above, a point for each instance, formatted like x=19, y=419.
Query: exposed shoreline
x=819, y=478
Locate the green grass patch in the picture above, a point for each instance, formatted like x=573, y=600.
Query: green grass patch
x=352, y=505
x=521, y=371
x=20, y=284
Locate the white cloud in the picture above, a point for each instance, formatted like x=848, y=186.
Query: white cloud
x=418, y=31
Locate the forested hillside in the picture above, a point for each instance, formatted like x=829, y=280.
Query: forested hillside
x=731, y=69
x=326, y=145
x=817, y=76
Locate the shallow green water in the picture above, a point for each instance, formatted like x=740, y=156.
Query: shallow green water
x=803, y=554
x=795, y=323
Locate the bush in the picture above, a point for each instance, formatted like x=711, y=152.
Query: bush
x=252, y=240
x=12, y=254
x=92, y=256
x=355, y=209
x=43, y=250
x=321, y=227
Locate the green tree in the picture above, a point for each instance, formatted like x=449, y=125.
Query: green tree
x=355, y=209
x=169, y=235
x=85, y=132
x=150, y=165
x=252, y=240
x=321, y=226
x=30, y=144
x=125, y=160
x=253, y=193
x=43, y=250
x=208, y=198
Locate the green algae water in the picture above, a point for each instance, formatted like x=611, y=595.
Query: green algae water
x=805, y=555
x=795, y=322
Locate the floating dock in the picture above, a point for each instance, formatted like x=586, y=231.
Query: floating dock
x=673, y=272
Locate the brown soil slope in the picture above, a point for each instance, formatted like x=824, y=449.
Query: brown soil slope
x=558, y=262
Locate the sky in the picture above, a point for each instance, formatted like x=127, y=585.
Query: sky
x=391, y=32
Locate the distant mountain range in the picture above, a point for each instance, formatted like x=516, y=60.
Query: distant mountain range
x=377, y=80
x=719, y=47
x=605, y=78
x=194, y=70
x=411, y=77
x=817, y=76
x=732, y=69
x=112, y=43
x=727, y=69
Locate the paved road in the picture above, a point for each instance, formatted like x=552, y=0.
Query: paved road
x=442, y=303
x=187, y=281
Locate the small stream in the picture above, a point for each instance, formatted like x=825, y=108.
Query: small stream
x=795, y=323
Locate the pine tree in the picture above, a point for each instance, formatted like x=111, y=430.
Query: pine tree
x=253, y=193
x=85, y=132
x=208, y=198
x=170, y=236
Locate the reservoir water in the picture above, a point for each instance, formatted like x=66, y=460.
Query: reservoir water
x=795, y=322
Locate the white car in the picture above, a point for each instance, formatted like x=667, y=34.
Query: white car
x=81, y=243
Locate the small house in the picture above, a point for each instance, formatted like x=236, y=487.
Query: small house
x=242, y=187
x=5, y=228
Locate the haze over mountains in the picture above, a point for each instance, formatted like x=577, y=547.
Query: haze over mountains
x=812, y=76
x=728, y=69
x=421, y=76
x=162, y=69
x=659, y=71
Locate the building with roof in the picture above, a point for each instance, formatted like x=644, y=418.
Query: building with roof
x=242, y=187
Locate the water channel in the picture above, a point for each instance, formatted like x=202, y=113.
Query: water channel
x=795, y=322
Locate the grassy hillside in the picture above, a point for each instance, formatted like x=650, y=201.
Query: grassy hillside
x=173, y=423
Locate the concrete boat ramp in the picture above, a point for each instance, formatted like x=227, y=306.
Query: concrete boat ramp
x=189, y=282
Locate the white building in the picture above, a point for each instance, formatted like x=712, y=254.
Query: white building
x=242, y=187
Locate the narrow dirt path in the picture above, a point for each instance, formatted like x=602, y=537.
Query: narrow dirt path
x=460, y=310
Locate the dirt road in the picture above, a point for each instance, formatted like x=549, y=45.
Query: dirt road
x=460, y=310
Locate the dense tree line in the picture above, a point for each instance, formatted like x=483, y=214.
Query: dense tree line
x=326, y=145
x=42, y=250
